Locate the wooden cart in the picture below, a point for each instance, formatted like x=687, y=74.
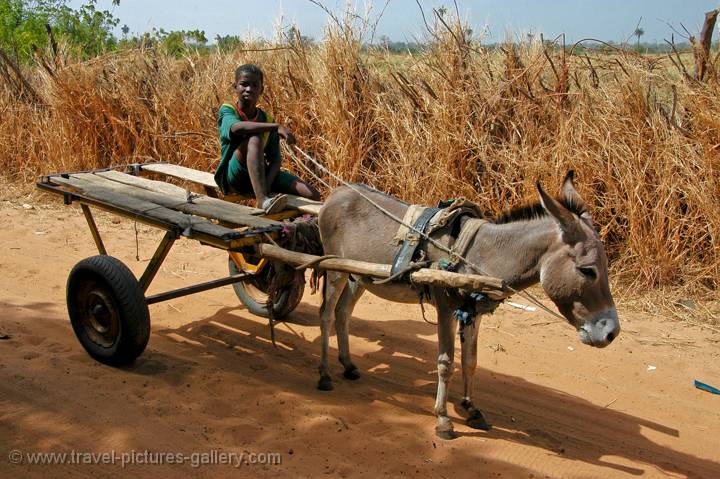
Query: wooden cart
x=107, y=305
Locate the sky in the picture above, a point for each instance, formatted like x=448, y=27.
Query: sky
x=614, y=20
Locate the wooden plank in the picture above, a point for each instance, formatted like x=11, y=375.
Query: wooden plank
x=230, y=213
x=344, y=265
x=187, y=223
x=177, y=192
x=169, y=189
x=448, y=279
x=297, y=203
x=432, y=277
x=181, y=172
x=207, y=180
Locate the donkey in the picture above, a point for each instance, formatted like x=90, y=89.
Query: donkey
x=552, y=242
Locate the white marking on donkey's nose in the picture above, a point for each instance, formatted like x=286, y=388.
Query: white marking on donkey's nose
x=601, y=332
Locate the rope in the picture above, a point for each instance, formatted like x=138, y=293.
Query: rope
x=315, y=261
x=305, y=167
x=402, y=272
x=387, y=213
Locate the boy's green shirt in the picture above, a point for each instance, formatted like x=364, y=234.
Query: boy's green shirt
x=229, y=168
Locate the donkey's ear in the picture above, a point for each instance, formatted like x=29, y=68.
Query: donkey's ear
x=573, y=197
x=562, y=215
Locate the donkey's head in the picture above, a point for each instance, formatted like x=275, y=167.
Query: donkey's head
x=574, y=272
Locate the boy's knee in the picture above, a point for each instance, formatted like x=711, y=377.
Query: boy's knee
x=255, y=140
x=304, y=189
x=252, y=141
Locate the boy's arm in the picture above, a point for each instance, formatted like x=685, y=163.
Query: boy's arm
x=230, y=126
x=226, y=119
x=253, y=127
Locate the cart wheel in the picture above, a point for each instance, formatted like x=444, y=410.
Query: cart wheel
x=108, y=310
x=253, y=292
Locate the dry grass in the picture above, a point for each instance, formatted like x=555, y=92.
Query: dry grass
x=455, y=121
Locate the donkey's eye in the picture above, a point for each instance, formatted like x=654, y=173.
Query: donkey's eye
x=589, y=273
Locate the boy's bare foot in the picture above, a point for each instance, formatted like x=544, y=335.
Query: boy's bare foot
x=274, y=204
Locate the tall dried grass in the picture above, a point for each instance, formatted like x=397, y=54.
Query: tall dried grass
x=457, y=120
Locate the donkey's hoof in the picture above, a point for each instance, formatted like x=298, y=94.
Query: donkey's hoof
x=352, y=373
x=325, y=383
x=447, y=435
x=477, y=421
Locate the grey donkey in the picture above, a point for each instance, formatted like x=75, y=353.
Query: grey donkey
x=552, y=242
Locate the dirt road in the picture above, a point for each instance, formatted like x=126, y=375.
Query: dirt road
x=210, y=382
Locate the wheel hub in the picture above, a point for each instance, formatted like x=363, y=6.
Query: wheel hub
x=101, y=318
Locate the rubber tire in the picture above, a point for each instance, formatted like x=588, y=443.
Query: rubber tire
x=285, y=304
x=114, y=280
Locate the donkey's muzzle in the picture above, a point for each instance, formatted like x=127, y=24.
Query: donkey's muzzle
x=601, y=331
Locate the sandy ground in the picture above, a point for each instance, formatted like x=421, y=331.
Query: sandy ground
x=211, y=382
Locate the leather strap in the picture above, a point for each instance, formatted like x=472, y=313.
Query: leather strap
x=465, y=238
x=406, y=253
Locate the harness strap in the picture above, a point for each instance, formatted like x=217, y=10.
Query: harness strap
x=406, y=253
x=466, y=236
x=411, y=216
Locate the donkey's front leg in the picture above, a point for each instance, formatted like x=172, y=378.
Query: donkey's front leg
x=334, y=285
x=446, y=354
x=469, y=362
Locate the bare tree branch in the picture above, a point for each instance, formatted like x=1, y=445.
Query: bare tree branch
x=680, y=65
x=377, y=20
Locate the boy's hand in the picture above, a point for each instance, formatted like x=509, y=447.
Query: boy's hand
x=286, y=134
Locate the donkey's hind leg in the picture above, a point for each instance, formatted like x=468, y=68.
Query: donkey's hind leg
x=335, y=283
x=343, y=311
x=469, y=362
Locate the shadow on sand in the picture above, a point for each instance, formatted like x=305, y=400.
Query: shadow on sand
x=399, y=371
x=520, y=411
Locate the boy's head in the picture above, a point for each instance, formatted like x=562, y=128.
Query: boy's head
x=248, y=84
x=248, y=68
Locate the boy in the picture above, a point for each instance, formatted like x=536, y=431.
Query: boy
x=250, y=148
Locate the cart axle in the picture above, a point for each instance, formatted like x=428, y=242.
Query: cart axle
x=197, y=288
